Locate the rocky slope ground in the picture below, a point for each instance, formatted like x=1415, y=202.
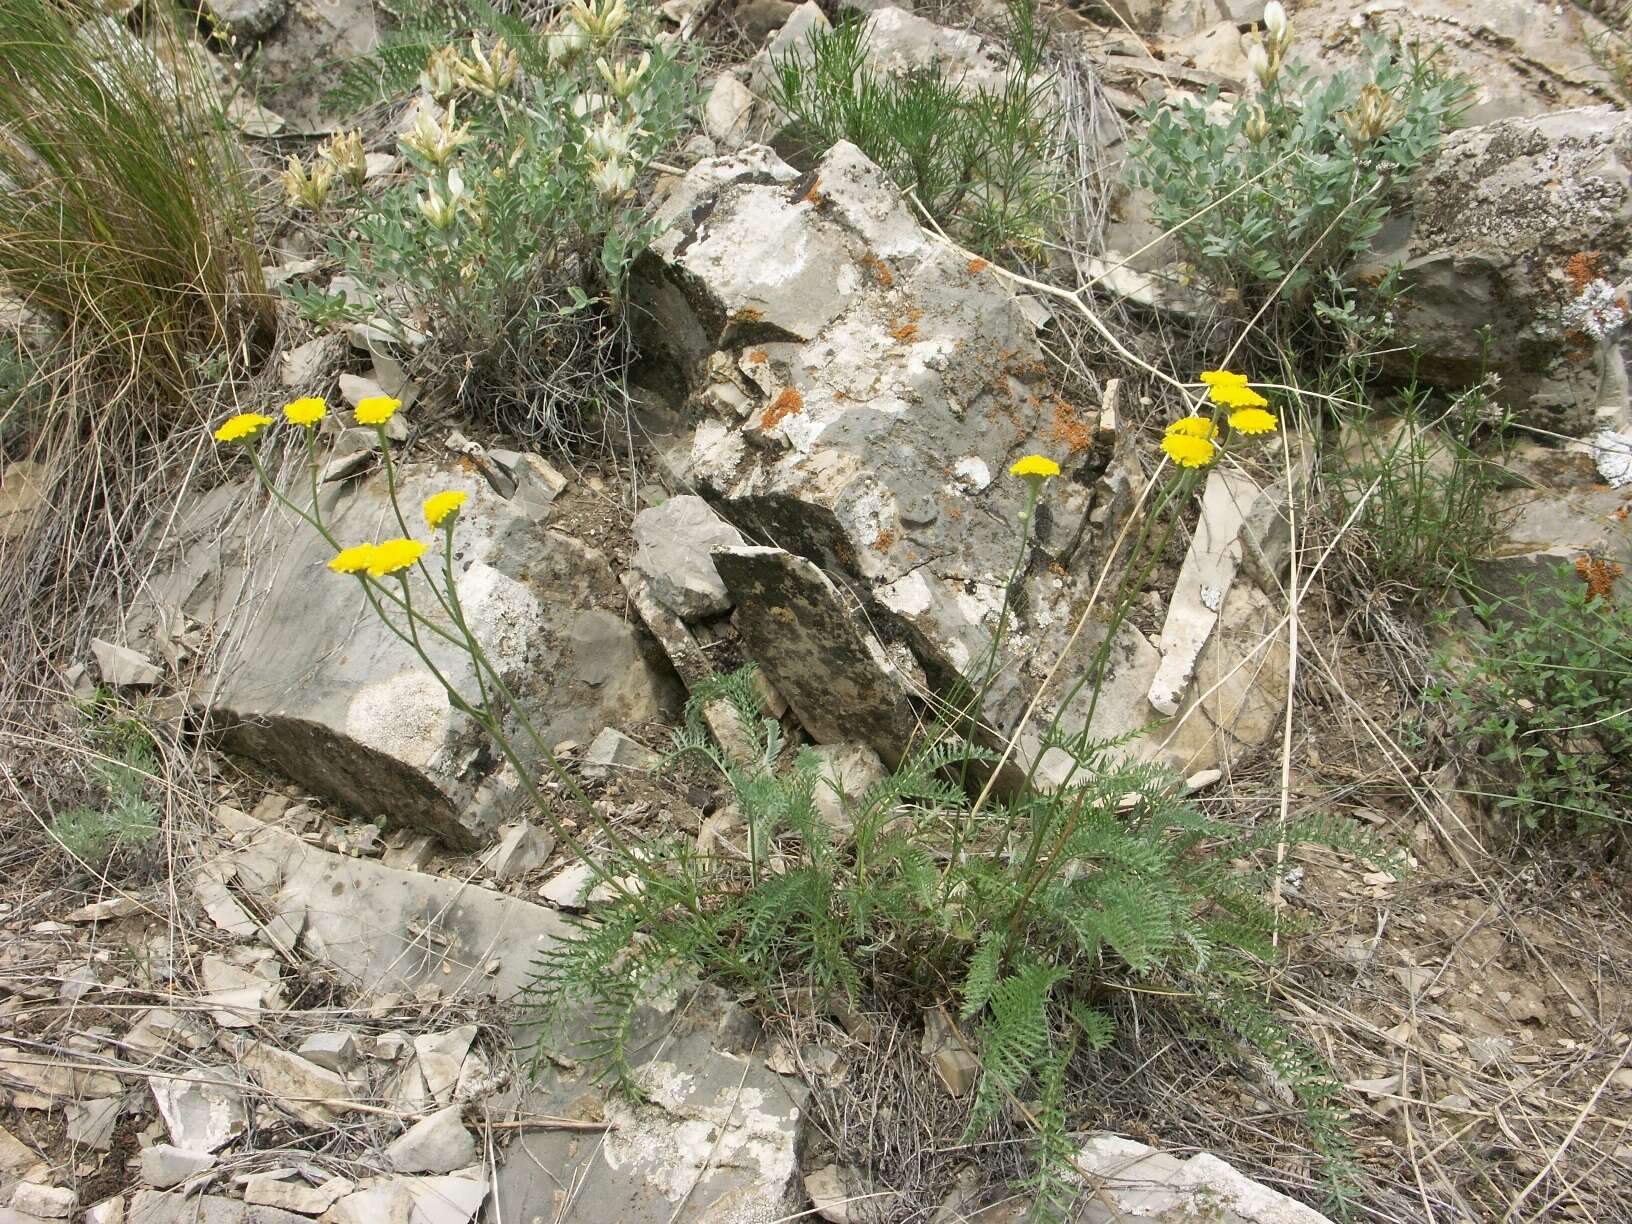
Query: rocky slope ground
x=308, y=999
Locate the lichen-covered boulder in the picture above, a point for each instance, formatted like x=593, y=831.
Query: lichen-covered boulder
x=858, y=390
x=1522, y=227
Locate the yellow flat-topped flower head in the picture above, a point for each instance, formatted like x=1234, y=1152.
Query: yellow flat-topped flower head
x=1035, y=467
x=393, y=555
x=307, y=411
x=1237, y=395
x=353, y=560
x=1193, y=427
x=1252, y=421
x=244, y=425
x=1188, y=451
x=1223, y=378
x=376, y=409
x=438, y=506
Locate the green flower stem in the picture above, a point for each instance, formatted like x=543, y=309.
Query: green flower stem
x=373, y=590
x=989, y=670
x=467, y=641
x=396, y=509
x=1038, y=870
x=489, y=723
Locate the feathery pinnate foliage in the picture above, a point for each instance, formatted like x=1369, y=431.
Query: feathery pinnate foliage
x=1058, y=898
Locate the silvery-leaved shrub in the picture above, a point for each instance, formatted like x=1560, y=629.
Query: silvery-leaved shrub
x=1292, y=181
x=507, y=233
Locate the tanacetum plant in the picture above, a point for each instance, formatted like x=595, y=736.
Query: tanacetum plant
x=1022, y=912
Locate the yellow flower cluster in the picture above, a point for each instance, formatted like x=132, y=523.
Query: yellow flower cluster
x=438, y=506
x=305, y=412
x=1188, y=450
x=394, y=555
x=1252, y=421
x=244, y=425
x=353, y=560
x=377, y=560
x=1035, y=467
x=1231, y=390
x=376, y=409
x=1191, y=441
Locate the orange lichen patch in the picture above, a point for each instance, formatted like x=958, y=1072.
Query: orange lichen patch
x=1599, y=575
x=880, y=270
x=884, y=541
x=758, y=357
x=905, y=332
x=841, y=395
x=813, y=195
x=748, y=314
x=1582, y=347
x=978, y=265
x=1582, y=269
x=782, y=407
x=1069, y=429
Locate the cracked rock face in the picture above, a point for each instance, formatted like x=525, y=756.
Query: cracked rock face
x=864, y=389
x=311, y=682
x=859, y=391
x=1524, y=225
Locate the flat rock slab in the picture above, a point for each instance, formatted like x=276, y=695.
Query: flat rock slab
x=714, y=1142
x=311, y=682
x=390, y=930
x=1204, y=579
x=1144, y=1183
x=1521, y=226
x=1547, y=530
x=672, y=546
x=155, y=1207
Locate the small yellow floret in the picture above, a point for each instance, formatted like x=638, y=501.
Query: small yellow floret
x=1187, y=451
x=1193, y=427
x=352, y=560
x=376, y=409
x=244, y=425
x=1223, y=378
x=439, y=505
x=394, y=555
x=308, y=411
x=1252, y=421
x=1238, y=396
x=1035, y=467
